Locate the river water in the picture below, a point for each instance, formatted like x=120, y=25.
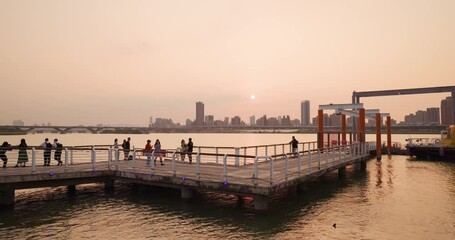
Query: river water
x=395, y=198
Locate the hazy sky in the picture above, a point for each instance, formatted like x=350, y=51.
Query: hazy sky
x=122, y=61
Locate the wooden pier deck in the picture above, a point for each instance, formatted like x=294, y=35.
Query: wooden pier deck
x=259, y=177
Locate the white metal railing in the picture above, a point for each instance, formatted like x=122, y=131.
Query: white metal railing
x=291, y=164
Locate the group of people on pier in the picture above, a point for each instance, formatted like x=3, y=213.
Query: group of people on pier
x=22, y=157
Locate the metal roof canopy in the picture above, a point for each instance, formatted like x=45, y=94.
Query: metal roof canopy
x=332, y=106
x=369, y=113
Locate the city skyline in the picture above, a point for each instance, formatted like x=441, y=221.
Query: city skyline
x=73, y=63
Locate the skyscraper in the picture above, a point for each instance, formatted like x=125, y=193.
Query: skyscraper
x=446, y=111
x=305, y=113
x=199, y=114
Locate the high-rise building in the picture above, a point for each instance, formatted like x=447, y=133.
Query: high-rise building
x=252, y=120
x=446, y=111
x=305, y=113
x=209, y=120
x=199, y=114
x=433, y=115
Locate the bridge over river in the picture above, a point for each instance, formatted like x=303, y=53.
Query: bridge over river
x=257, y=171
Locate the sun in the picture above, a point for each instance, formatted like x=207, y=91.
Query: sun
x=252, y=97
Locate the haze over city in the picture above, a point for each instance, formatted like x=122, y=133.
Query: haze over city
x=112, y=62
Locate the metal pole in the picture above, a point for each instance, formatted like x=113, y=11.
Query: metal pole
x=237, y=153
x=255, y=175
x=309, y=162
x=109, y=158
x=71, y=156
x=266, y=148
x=33, y=159
x=274, y=150
x=173, y=163
x=66, y=159
x=299, y=163
x=271, y=170
x=319, y=159
x=256, y=151
x=116, y=159
x=225, y=167
x=244, y=156
x=287, y=166
x=198, y=162
x=134, y=159
x=284, y=152
x=216, y=150
x=93, y=159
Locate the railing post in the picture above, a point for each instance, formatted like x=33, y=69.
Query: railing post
x=33, y=159
x=173, y=163
x=319, y=159
x=256, y=151
x=244, y=156
x=116, y=159
x=237, y=153
x=271, y=170
x=134, y=159
x=299, y=166
x=274, y=150
x=334, y=156
x=71, y=156
x=266, y=148
x=198, y=162
x=309, y=161
x=284, y=152
x=327, y=158
x=225, y=167
x=66, y=159
x=216, y=149
x=255, y=174
x=109, y=158
x=93, y=159
x=287, y=166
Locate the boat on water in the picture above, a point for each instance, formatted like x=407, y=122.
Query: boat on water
x=433, y=148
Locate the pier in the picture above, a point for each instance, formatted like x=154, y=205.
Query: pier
x=256, y=171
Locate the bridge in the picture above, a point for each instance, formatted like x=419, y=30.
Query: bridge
x=256, y=171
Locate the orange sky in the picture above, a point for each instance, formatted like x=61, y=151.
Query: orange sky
x=112, y=62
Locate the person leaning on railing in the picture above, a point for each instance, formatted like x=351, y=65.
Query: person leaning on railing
x=22, y=157
x=5, y=147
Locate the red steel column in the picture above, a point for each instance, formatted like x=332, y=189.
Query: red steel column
x=389, y=136
x=343, y=129
x=361, y=132
x=378, y=136
x=320, y=129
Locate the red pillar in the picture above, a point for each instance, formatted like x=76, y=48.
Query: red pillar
x=389, y=136
x=378, y=136
x=343, y=129
x=320, y=129
x=361, y=132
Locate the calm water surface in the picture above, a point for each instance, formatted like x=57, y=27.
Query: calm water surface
x=395, y=198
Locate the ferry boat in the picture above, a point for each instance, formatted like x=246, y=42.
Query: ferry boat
x=433, y=148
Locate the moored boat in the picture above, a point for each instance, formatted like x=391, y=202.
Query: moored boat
x=433, y=148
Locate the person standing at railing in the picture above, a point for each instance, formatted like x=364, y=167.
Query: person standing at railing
x=148, y=151
x=5, y=147
x=126, y=148
x=183, y=147
x=22, y=157
x=190, y=149
x=295, y=146
x=58, y=152
x=47, y=151
x=158, y=152
x=115, y=147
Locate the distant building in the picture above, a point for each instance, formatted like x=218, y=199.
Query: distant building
x=305, y=113
x=18, y=123
x=188, y=123
x=199, y=114
x=226, y=121
x=163, y=123
x=209, y=120
x=262, y=121
x=285, y=121
x=295, y=122
x=446, y=111
x=151, y=122
x=252, y=120
x=236, y=121
x=433, y=116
